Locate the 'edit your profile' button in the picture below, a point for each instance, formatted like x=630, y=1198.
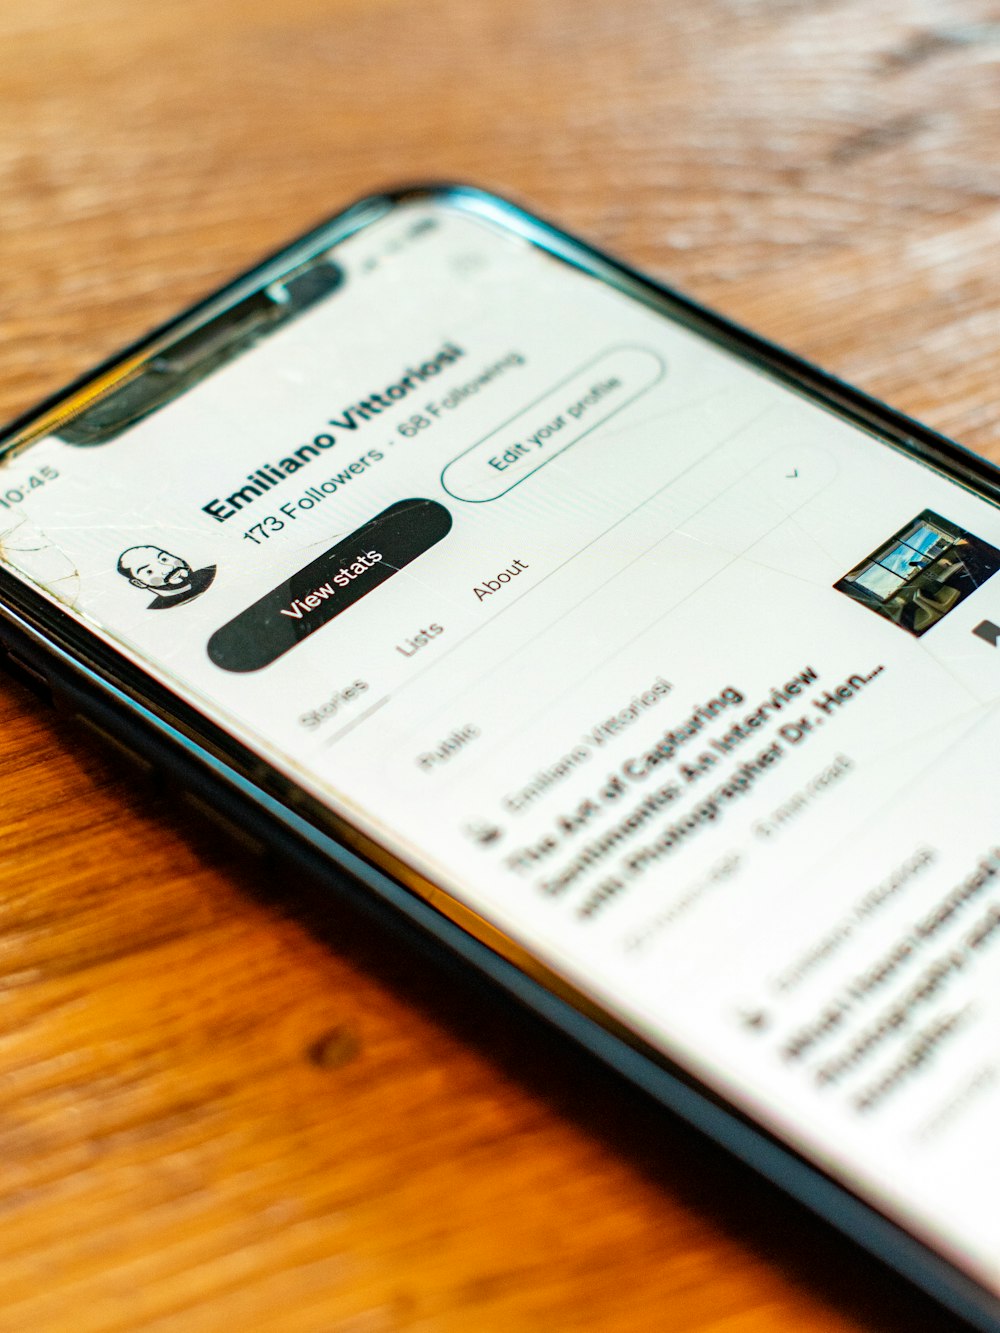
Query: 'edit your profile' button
x=548, y=426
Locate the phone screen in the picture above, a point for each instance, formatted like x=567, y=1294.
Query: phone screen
x=680, y=681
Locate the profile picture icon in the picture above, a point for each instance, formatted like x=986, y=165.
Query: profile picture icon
x=168, y=577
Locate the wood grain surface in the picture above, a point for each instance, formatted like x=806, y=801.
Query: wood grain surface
x=218, y=1108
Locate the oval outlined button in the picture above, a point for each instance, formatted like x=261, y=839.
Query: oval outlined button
x=329, y=585
x=552, y=423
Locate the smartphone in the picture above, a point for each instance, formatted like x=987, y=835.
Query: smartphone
x=639, y=663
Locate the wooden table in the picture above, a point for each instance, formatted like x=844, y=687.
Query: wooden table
x=220, y=1111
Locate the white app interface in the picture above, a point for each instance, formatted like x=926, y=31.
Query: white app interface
x=683, y=683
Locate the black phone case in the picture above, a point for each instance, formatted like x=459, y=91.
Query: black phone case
x=72, y=668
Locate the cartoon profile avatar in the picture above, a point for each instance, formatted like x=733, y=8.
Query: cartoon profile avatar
x=168, y=576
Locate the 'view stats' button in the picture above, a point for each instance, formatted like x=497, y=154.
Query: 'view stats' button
x=327, y=586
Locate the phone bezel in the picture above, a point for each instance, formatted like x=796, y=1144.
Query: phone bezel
x=92, y=679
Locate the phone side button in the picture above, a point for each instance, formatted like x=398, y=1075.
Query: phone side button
x=234, y=832
x=133, y=758
x=29, y=677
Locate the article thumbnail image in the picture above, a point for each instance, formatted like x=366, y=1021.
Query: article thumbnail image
x=921, y=572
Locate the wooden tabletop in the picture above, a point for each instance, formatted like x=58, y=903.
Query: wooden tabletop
x=219, y=1108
